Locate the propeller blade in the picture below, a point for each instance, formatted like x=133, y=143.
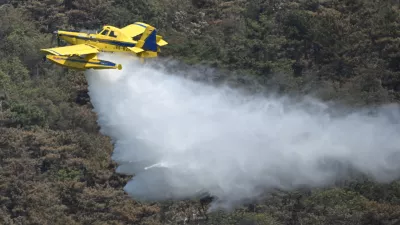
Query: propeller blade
x=53, y=37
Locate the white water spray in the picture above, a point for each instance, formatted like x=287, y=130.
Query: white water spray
x=181, y=138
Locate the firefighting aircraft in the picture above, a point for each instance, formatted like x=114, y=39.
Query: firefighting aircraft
x=139, y=38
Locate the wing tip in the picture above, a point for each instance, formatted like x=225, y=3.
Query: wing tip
x=49, y=51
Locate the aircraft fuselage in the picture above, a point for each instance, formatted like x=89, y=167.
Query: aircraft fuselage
x=139, y=39
x=104, y=43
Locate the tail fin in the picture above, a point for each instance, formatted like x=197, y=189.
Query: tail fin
x=148, y=41
x=148, y=45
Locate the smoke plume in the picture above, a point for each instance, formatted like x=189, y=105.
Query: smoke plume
x=181, y=138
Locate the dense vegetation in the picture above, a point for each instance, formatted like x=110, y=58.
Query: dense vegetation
x=55, y=167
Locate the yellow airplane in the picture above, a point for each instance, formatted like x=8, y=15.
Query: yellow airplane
x=139, y=38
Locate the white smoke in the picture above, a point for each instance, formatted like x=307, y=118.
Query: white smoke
x=181, y=138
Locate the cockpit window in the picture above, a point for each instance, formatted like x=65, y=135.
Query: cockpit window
x=104, y=32
x=112, y=34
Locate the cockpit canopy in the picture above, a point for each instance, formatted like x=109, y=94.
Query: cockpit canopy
x=109, y=32
x=133, y=31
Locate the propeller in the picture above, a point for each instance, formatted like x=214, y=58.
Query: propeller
x=55, y=36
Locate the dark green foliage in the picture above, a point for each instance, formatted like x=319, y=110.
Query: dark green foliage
x=26, y=115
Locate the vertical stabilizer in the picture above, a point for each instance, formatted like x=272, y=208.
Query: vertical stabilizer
x=148, y=41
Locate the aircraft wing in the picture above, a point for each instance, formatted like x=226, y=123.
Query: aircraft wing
x=81, y=49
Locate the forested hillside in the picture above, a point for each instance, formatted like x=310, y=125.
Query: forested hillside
x=55, y=166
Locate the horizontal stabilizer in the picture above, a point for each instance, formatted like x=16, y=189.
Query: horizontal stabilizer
x=136, y=50
x=160, y=41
